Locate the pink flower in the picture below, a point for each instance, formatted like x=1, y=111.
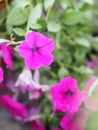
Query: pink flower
x=74, y=121
x=6, y=53
x=16, y=109
x=91, y=100
x=36, y=50
x=1, y=75
x=65, y=95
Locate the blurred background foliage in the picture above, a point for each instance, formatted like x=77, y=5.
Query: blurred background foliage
x=71, y=23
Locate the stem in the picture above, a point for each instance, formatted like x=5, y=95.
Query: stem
x=7, y=5
x=48, y=13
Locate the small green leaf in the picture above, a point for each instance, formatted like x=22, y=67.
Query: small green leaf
x=48, y=3
x=22, y=3
x=72, y=17
x=19, y=31
x=62, y=73
x=35, y=26
x=35, y=14
x=16, y=16
x=65, y=4
x=53, y=26
x=82, y=41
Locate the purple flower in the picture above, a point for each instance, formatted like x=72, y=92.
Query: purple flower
x=65, y=95
x=1, y=75
x=25, y=82
x=74, y=121
x=16, y=109
x=6, y=53
x=36, y=50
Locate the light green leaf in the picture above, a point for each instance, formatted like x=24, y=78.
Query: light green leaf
x=16, y=16
x=62, y=73
x=82, y=41
x=48, y=3
x=19, y=31
x=65, y=3
x=35, y=14
x=72, y=17
x=53, y=26
x=35, y=26
x=22, y=3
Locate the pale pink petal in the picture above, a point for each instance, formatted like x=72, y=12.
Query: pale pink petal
x=36, y=76
x=91, y=101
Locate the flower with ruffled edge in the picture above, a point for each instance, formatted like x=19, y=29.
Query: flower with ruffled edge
x=65, y=95
x=25, y=82
x=36, y=50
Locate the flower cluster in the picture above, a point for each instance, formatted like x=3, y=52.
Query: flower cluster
x=63, y=97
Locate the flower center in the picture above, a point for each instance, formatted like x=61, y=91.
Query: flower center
x=69, y=93
x=35, y=49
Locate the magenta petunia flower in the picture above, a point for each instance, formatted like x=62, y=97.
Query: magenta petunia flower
x=6, y=53
x=74, y=121
x=66, y=96
x=36, y=50
x=15, y=109
x=1, y=75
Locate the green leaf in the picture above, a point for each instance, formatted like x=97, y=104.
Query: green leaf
x=72, y=17
x=65, y=4
x=2, y=15
x=19, y=31
x=85, y=70
x=48, y=3
x=16, y=16
x=82, y=41
x=62, y=73
x=35, y=14
x=53, y=26
x=35, y=26
x=93, y=86
x=22, y=3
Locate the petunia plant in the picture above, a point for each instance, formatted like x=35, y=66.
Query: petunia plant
x=48, y=51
